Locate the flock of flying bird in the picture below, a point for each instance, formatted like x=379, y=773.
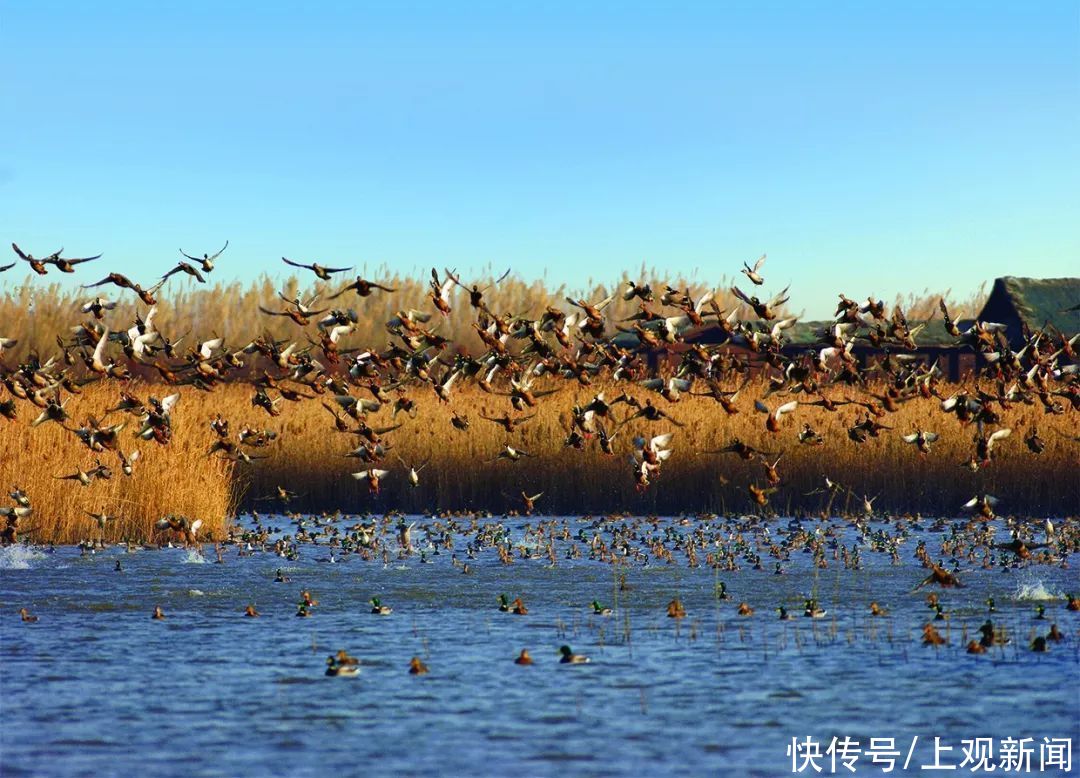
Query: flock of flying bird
x=575, y=347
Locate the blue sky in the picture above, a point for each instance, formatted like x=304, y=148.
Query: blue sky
x=867, y=147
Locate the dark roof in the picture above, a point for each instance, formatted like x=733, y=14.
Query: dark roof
x=1035, y=302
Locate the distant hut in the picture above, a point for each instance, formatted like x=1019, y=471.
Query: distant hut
x=1033, y=303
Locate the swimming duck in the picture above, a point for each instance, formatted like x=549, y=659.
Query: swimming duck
x=379, y=609
x=335, y=668
x=281, y=577
x=27, y=616
x=745, y=610
x=250, y=612
x=1074, y=602
x=931, y=637
x=302, y=611
x=416, y=667
x=877, y=610
x=570, y=658
x=722, y=592
x=504, y=603
x=975, y=647
x=524, y=658
x=1039, y=644
x=991, y=607
x=811, y=609
x=1054, y=633
x=675, y=609
x=309, y=601
x=518, y=607
x=783, y=613
x=158, y=613
x=600, y=610
x=1040, y=612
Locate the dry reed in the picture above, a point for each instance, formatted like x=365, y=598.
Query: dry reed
x=308, y=457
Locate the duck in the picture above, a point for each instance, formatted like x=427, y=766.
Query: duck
x=379, y=609
x=1074, y=602
x=28, y=617
x=570, y=658
x=416, y=667
x=322, y=272
x=931, y=637
x=600, y=610
x=373, y=477
x=811, y=609
x=280, y=577
x=675, y=609
x=1040, y=612
x=722, y=592
x=783, y=614
x=518, y=607
x=504, y=603
x=302, y=611
x=1039, y=644
x=158, y=613
x=524, y=658
x=975, y=647
x=1054, y=634
x=877, y=610
x=745, y=609
x=988, y=638
x=250, y=612
x=335, y=668
x=940, y=576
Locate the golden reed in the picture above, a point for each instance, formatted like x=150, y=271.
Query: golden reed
x=308, y=457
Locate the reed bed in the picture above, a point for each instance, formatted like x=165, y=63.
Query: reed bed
x=174, y=479
x=308, y=457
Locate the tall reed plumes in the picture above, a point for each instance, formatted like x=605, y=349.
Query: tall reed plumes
x=35, y=314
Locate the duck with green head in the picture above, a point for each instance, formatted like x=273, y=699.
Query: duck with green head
x=504, y=603
x=379, y=609
x=335, y=668
x=570, y=658
x=600, y=610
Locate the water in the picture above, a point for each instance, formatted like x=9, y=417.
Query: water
x=98, y=688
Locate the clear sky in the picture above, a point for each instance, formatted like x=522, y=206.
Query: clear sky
x=866, y=146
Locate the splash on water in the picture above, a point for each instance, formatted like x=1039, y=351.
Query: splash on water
x=196, y=593
x=1035, y=591
x=19, y=557
x=194, y=557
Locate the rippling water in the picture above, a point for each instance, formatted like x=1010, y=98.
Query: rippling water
x=98, y=688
